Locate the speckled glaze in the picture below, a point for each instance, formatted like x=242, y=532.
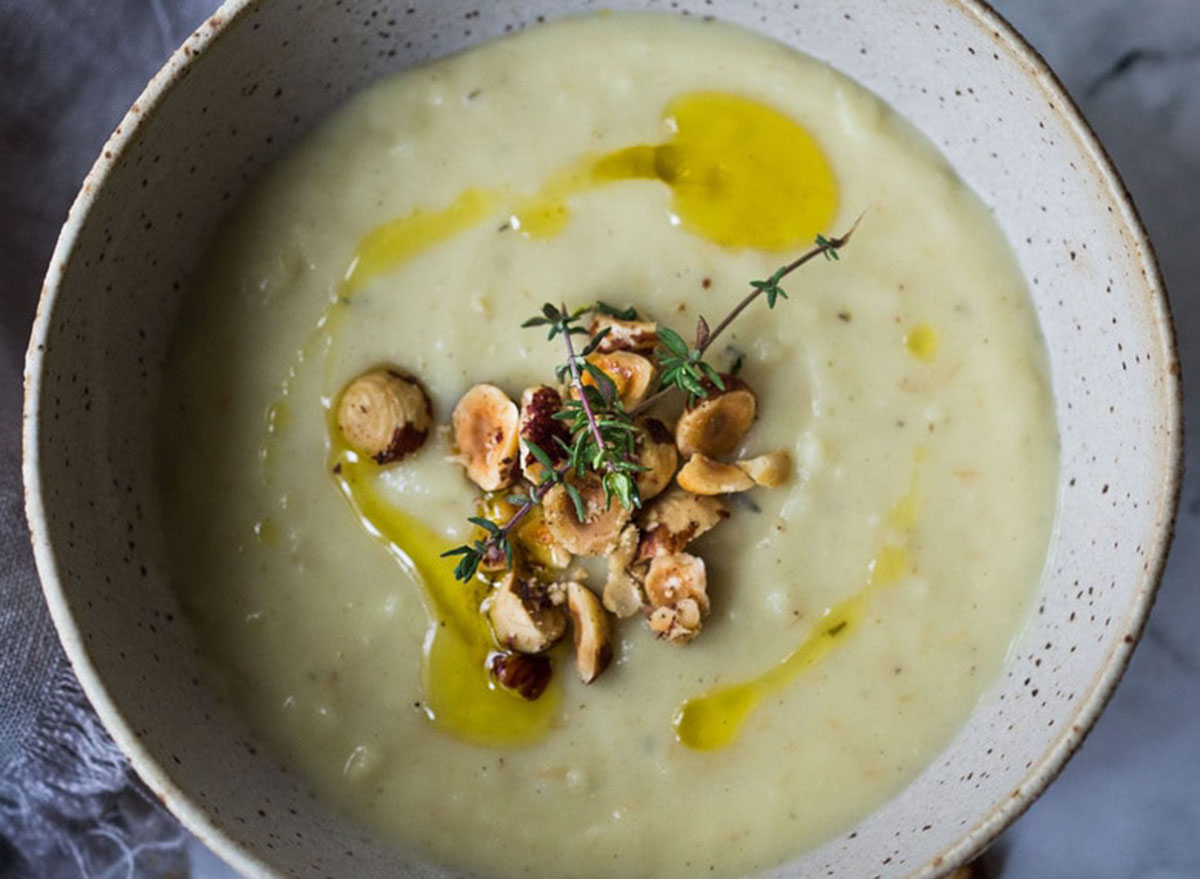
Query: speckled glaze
x=260, y=74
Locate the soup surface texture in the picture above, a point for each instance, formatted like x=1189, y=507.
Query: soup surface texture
x=858, y=612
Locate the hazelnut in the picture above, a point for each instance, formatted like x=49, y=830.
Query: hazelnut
x=526, y=675
x=602, y=522
x=624, y=335
x=702, y=475
x=622, y=591
x=677, y=586
x=486, y=430
x=523, y=617
x=384, y=415
x=675, y=519
x=656, y=452
x=770, y=470
x=631, y=374
x=717, y=424
x=592, y=632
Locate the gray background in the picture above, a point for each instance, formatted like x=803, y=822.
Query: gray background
x=1128, y=805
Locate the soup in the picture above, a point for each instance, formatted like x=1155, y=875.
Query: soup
x=858, y=611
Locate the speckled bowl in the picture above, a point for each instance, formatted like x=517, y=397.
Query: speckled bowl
x=260, y=74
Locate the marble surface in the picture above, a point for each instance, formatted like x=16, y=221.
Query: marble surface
x=1128, y=804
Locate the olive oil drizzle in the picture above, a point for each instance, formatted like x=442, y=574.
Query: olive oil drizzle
x=460, y=697
x=715, y=719
x=741, y=174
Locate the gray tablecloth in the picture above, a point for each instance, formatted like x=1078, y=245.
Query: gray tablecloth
x=1127, y=806
x=69, y=806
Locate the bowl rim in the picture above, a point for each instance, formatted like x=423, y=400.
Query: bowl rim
x=972, y=841
x=146, y=767
x=1054, y=760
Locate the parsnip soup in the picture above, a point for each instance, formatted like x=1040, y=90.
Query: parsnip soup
x=874, y=529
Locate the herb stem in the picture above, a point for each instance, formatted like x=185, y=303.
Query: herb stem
x=826, y=245
x=577, y=378
x=823, y=246
x=539, y=492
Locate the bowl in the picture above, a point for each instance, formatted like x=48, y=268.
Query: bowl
x=260, y=73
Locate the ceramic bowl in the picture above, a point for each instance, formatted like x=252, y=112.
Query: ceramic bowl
x=260, y=73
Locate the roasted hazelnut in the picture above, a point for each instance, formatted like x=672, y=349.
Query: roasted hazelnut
x=592, y=632
x=675, y=519
x=523, y=617
x=486, y=431
x=526, y=675
x=770, y=470
x=597, y=533
x=624, y=335
x=717, y=424
x=622, y=591
x=677, y=587
x=384, y=415
x=702, y=475
x=631, y=374
x=656, y=452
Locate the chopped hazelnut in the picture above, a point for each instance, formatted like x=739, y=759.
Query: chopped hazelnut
x=593, y=634
x=770, y=470
x=677, y=623
x=677, y=586
x=539, y=547
x=486, y=429
x=675, y=519
x=523, y=616
x=624, y=335
x=717, y=424
x=673, y=577
x=622, y=591
x=385, y=415
x=656, y=452
x=702, y=475
x=526, y=675
x=602, y=522
x=632, y=374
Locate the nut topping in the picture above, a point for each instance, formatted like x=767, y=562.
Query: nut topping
x=677, y=586
x=770, y=470
x=486, y=429
x=622, y=592
x=593, y=635
x=677, y=623
x=602, y=522
x=631, y=373
x=527, y=675
x=675, y=519
x=702, y=475
x=656, y=452
x=523, y=617
x=717, y=424
x=385, y=415
x=624, y=335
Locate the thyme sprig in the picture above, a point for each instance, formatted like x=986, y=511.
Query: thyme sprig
x=685, y=370
x=498, y=538
x=603, y=439
x=603, y=434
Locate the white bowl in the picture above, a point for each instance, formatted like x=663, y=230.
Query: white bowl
x=260, y=74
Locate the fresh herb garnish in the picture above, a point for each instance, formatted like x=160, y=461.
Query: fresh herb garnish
x=603, y=435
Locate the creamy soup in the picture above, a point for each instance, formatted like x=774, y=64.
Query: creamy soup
x=858, y=611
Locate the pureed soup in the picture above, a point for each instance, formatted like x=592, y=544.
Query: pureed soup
x=857, y=611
